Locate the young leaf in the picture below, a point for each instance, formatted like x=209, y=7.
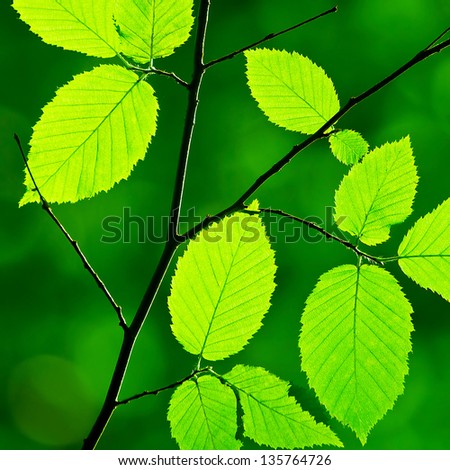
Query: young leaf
x=424, y=254
x=348, y=146
x=378, y=192
x=355, y=342
x=293, y=92
x=203, y=415
x=271, y=416
x=77, y=25
x=222, y=287
x=91, y=135
x=153, y=28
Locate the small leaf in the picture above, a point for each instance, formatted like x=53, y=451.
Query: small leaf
x=203, y=415
x=424, y=254
x=77, y=25
x=91, y=135
x=153, y=28
x=271, y=416
x=378, y=192
x=293, y=92
x=222, y=287
x=348, y=146
x=355, y=342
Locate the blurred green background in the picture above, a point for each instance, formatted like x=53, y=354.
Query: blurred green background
x=59, y=338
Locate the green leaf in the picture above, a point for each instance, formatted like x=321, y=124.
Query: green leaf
x=424, y=254
x=222, y=287
x=355, y=342
x=203, y=415
x=378, y=192
x=153, y=28
x=348, y=146
x=271, y=416
x=91, y=135
x=77, y=25
x=293, y=92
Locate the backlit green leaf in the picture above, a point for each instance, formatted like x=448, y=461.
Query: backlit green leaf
x=222, y=287
x=425, y=251
x=354, y=344
x=153, y=28
x=271, y=416
x=348, y=146
x=378, y=192
x=203, y=415
x=78, y=25
x=293, y=92
x=91, y=135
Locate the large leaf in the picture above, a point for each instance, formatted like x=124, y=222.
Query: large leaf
x=203, y=415
x=91, y=135
x=348, y=146
x=424, y=254
x=293, y=92
x=153, y=28
x=222, y=287
x=378, y=192
x=78, y=25
x=271, y=416
x=355, y=342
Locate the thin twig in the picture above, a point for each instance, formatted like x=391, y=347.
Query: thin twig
x=438, y=38
x=328, y=235
x=130, y=336
x=193, y=374
x=268, y=37
x=172, y=75
x=239, y=204
x=74, y=243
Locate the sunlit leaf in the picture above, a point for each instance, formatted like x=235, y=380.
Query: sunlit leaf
x=354, y=344
x=203, y=415
x=425, y=251
x=348, y=146
x=293, y=92
x=91, y=135
x=271, y=416
x=378, y=192
x=78, y=25
x=222, y=287
x=153, y=28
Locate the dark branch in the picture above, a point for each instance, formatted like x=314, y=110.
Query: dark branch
x=189, y=123
x=328, y=235
x=74, y=244
x=319, y=134
x=162, y=389
x=130, y=336
x=268, y=37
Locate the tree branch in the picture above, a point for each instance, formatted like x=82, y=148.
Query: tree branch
x=74, y=244
x=162, y=389
x=328, y=235
x=171, y=245
x=239, y=204
x=268, y=37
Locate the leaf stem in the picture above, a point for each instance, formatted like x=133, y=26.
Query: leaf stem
x=146, y=393
x=269, y=36
x=73, y=242
x=131, y=334
x=328, y=235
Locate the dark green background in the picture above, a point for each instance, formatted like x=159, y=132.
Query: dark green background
x=58, y=336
